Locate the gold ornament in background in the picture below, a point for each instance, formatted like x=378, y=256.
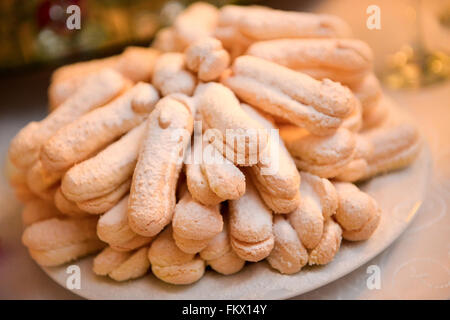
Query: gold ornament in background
x=403, y=69
x=437, y=67
x=409, y=68
x=428, y=61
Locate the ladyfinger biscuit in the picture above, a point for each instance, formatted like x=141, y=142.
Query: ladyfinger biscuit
x=56, y=241
x=256, y=23
x=318, y=106
x=323, y=156
x=49, y=194
x=152, y=196
x=172, y=265
x=319, y=202
x=395, y=146
x=308, y=220
x=166, y=40
x=98, y=89
x=59, y=256
x=263, y=23
x=275, y=175
x=170, y=75
x=328, y=246
x=250, y=219
x=108, y=260
x=313, y=220
x=113, y=229
x=67, y=79
x=357, y=167
x=40, y=180
x=225, y=179
x=233, y=41
x=18, y=180
x=219, y=244
x=106, y=171
x=196, y=179
x=368, y=91
x=102, y=204
x=377, y=115
x=252, y=251
x=83, y=68
x=24, y=194
x=229, y=263
x=190, y=245
x=197, y=21
x=231, y=130
x=266, y=120
x=195, y=224
x=354, y=122
x=134, y=267
x=207, y=58
x=219, y=255
x=66, y=206
x=136, y=242
x=93, y=131
x=16, y=176
x=164, y=251
x=22, y=150
x=366, y=231
x=58, y=232
x=250, y=226
x=135, y=64
x=199, y=187
x=121, y=266
x=186, y=273
x=38, y=210
x=343, y=60
x=358, y=213
x=288, y=255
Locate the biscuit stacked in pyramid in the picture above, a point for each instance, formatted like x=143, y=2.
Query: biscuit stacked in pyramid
x=236, y=137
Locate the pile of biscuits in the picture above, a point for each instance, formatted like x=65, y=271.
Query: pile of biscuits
x=284, y=103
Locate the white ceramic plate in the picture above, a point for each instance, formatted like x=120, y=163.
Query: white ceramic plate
x=398, y=193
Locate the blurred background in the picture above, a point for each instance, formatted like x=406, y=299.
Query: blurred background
x=34, y=32
x=411, y=48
